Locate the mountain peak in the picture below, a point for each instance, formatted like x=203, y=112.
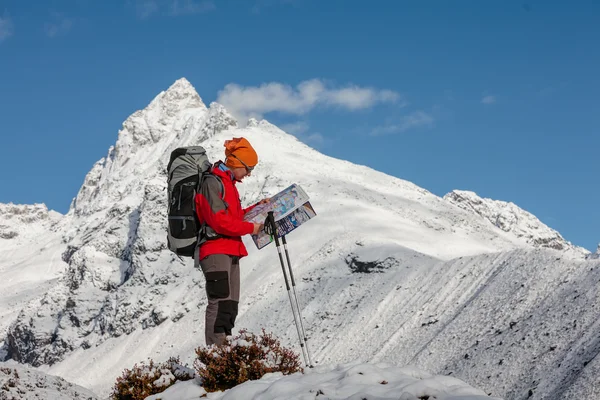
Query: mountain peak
x=181, y=82
x=183, y=89
x=155, y=122
x=264, y=125
x=175, y=117
x=179, y=96
x=252, y=123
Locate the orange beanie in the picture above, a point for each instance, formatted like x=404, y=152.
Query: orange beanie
x=242, y=149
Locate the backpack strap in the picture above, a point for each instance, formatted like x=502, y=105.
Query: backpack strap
x=209, y=174
x=203, y=236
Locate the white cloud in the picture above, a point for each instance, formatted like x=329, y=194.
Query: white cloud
x=488, y=99
x=252, y=101
x=6, y=27
x=59, y=25
x=416, y=119
x=186, y=7
x=355, y=98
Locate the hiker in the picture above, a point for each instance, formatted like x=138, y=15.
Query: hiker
x=220, y=211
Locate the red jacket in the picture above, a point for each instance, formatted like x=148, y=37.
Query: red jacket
x=224, y=215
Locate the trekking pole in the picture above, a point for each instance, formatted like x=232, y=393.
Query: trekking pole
x=287, y=256
x=271, y=229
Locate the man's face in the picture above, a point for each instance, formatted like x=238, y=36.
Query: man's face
x=240, y=173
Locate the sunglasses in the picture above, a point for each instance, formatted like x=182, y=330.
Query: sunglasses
x=248, y=169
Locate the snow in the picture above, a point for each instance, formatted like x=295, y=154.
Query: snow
x=511, y=218
x=31, y=257
x=21, y=383
x=442, y=288
x=347, y=381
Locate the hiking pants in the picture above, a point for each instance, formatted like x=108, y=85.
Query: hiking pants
x=222, y=273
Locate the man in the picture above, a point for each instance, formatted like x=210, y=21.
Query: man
x=222, y=216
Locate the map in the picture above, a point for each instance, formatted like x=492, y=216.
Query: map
x=291, y=209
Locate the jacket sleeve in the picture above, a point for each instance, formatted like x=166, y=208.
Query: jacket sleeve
x=245, y=210
x=213, y=211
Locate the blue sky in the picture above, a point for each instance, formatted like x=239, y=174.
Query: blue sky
x=497, y=97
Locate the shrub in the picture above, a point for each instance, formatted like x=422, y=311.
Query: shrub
x=244, y=357
x=145, y=380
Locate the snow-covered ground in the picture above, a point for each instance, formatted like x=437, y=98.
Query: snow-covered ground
x=444, y=287
x=346, y=381
x=379, y=381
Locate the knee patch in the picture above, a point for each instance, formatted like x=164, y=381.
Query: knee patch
x=226, y=314
x=217, y=284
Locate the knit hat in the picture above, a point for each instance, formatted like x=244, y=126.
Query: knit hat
x=239, y=151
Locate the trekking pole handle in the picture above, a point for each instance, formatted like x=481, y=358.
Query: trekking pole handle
x=271, y=227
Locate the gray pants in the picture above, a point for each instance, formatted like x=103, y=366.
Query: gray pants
x=222, y=273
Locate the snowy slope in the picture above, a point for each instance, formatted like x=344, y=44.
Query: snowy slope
x=511, y=218
x=508, y=323
x=123, y=297
x=22, y=383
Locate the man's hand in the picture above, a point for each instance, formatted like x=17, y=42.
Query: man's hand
x=257, y=228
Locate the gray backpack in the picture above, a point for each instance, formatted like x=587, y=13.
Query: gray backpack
x=188, y=166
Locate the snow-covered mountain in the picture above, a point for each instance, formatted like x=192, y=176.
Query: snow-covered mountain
x=31, y=258
x=511, y=218
x=436, y=282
